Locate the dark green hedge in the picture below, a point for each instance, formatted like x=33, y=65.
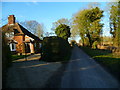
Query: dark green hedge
x=6, y=58
x=6, y=53
x=55, y=49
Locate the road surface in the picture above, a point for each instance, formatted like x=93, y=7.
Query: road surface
x=31, y=73
x=83, y=72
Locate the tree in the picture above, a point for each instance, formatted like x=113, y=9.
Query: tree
x=93, y=4
x=107, y=40
x=63, y=31
x=60, y=21
x=39, y=30
x=48, y=34
x=87, y=22
x=115, y=23
x=34, y=27
x=73, y=42
x=118, y=29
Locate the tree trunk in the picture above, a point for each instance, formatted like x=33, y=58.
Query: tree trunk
x=90, y=41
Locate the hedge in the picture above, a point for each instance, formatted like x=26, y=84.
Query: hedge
x=55, y=49
x=6, y=58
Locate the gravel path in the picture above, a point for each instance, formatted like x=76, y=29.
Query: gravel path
x=31, y=73
x=83, y=72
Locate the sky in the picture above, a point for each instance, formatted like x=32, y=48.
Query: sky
x=47, y=12
x=59, y=0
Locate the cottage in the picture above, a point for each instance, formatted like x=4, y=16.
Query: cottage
x=20, y=39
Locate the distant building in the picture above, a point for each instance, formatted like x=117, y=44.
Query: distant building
x=20, y=39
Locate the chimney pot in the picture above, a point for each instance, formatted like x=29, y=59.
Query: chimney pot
x=11, y=19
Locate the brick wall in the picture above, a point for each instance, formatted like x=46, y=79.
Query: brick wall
x=19, y=39
x=20, y=46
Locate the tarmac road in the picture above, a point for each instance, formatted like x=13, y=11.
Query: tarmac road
x=83, y=72
x=31, y=73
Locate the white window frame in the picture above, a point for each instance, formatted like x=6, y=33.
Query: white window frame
x=14, y=45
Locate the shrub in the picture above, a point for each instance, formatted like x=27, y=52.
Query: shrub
x=6, y=53
x=55, y=49
x=6, y=58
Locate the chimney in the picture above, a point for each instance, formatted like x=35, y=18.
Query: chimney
x=11, y=20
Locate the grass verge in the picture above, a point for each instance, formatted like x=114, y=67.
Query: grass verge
x=15, y=57
x=105, y=58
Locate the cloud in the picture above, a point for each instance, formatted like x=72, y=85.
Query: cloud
x=31, y=3
x=35, y=2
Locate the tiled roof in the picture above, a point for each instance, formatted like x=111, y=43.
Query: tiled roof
x=21, y=30
x=26, y=32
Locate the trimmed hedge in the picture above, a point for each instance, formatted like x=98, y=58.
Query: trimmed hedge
x=55, y=49
x=6, y=53
x=6, y=58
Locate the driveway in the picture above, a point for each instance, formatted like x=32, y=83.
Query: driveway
x=83, y=72
x=31, y=73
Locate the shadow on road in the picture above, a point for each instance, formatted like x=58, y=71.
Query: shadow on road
x=55, y=80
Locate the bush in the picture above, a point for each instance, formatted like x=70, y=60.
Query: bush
x=6, y=58
x=6, y=53
x=55, y=49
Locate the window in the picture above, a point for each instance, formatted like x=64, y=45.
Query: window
x=35, y=44
x=10, y=34
x=12, y=46
x=40, y=45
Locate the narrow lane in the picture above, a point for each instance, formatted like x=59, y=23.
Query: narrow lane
x=83, y=72
x=31, y=73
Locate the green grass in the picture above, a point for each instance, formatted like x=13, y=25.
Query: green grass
x=105, y=58
x=15, y=57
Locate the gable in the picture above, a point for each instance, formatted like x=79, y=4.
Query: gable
x=19, y=30
x=26, y=32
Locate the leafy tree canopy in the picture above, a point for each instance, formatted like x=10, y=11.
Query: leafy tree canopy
x=60, y=21
x=115, y=22
x=63, y=31
x=87, y=23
